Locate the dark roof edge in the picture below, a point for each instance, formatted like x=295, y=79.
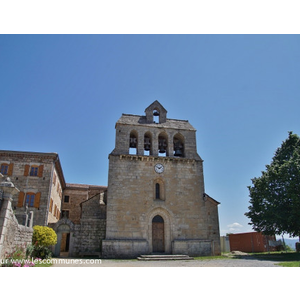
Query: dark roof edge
x=212, y=199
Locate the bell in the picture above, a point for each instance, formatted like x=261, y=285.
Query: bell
x=132, y=143
x=178, y=152
x=147, y=147
x=162, y=146
x=156, y=113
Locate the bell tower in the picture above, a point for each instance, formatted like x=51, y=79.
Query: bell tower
x=156, y=200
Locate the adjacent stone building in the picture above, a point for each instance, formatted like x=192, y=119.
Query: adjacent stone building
x=156, y=202
x=40, y=179
x=44, y=192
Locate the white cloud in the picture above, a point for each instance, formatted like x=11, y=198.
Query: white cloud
x=234, y=227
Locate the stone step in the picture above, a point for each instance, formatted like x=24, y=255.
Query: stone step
x=165, y=257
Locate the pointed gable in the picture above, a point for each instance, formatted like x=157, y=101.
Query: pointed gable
x=156, y=109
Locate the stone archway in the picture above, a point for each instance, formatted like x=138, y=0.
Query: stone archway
x=167, y=218
x=64, y=229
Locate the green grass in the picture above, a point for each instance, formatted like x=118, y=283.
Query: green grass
x=285, y=259
x=289, y=264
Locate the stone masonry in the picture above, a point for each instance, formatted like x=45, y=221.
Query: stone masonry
x=12, y=234
x=156, y=199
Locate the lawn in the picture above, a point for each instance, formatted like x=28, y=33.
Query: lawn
x=285, y=259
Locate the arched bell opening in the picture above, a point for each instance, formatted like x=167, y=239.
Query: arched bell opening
x=133, y=142
x=147, y=143
x=163, y=145
x=156, y=115
x=178, y=145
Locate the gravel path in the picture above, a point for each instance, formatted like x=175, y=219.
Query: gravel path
x=226, y=262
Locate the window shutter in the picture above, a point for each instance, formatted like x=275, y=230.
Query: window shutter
x=50, y=207
x=10, y=169
x=26, y=171
x=40, y=172
x=37, y=200
x=21, y=199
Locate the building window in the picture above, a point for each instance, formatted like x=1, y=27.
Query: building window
x=29, y=200
x=4, y=169
x=66, y=199
x=65, y=214
x=51, y=205
x=34, y=171
x=157, y=191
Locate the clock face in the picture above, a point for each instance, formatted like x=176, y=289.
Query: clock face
x=159, y=168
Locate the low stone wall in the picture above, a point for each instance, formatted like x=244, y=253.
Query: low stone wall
x=12, y=234
x=16, y=236
x=124, y=248
x=192, y=247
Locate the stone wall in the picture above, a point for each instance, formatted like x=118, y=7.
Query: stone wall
x=12, y=234
x=78, y=193
x=85, y=237
x=17, y=235
x=92, y=226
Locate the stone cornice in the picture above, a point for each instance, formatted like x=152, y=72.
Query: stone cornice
x=156, y=158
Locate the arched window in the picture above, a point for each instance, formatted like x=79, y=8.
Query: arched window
x=157, y=191
x=162, y=145
x=178, y=145
x=133, y=142
x=147, y=143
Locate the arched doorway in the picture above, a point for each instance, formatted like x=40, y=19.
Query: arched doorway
x=158, y=240
x=64, y=229
x=63, y=240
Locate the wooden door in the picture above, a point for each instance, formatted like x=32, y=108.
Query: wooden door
x=158, y=244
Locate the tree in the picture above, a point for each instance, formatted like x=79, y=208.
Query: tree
x=275, y=196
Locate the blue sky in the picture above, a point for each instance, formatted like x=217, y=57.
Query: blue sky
x=64, y=94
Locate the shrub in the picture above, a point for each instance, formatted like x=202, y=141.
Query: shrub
x=42, y=252
x=43, y=236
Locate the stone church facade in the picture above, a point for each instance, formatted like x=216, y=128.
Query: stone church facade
x=155, y=201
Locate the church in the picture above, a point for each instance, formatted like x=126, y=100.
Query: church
x=155, y=200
